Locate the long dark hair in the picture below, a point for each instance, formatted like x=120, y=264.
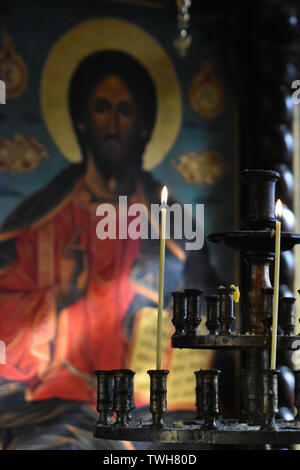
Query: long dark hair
x=99, y=65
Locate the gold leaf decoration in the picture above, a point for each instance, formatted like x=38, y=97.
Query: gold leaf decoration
x=206, y=94
x=23, y=154
x=13, y=70
x=198, y=168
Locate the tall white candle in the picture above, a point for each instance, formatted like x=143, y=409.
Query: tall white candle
x=278, y=210
x=163, y=211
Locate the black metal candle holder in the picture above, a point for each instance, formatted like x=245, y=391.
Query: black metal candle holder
x=213, y=314
x=249, y=385
x=179, y=312
x=259, y=186
x=193, y=317
x=158, y=395
x=286, y=316
x=226, y=309
x=105, y=396
x=210, y=382
x=123, y=395
x=270, y=399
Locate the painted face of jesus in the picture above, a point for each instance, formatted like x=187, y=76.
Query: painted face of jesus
x=111, y=124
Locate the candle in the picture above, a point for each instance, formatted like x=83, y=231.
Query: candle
x=278, y=210
x=163, y=211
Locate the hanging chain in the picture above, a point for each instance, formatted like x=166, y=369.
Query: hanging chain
x=183, y=42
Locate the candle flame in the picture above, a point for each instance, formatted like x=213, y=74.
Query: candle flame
x=278, y=209
x=164, y=195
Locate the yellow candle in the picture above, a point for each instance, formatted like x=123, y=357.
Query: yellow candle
x=278, y=210
x=163, y=211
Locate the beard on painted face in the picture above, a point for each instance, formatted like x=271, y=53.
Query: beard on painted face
x=112, y=129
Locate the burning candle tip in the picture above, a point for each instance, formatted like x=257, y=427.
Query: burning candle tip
x=164, y=195
x=278, y=209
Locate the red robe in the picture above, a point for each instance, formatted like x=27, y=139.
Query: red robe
x=56, y=352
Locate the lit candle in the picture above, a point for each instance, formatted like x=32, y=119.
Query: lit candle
x=278, y=210
x=163, y=211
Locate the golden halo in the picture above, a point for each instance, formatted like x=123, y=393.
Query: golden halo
x=102, y=34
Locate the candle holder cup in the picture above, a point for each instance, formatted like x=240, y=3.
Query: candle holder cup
x=210, y=397
x=226, y=310
x=105, y=396
x=179, y=312
x=123, y=395
x=213, y=314
x=259, y=197
x=158, y=395
x=286, y=315
x=270, y=399
x=251, y=392
x=193, y=318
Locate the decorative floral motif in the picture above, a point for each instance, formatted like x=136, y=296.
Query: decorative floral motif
x=22, y=154
x=13, y=70
x=207, y=167
x=206, y=93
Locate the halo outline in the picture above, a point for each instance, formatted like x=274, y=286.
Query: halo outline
x=109, y=34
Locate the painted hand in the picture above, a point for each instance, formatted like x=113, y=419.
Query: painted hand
x=73, y=272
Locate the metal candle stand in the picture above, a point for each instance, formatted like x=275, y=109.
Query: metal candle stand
x=258, y=422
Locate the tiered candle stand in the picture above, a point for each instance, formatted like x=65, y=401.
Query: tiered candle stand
x=259, y=422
